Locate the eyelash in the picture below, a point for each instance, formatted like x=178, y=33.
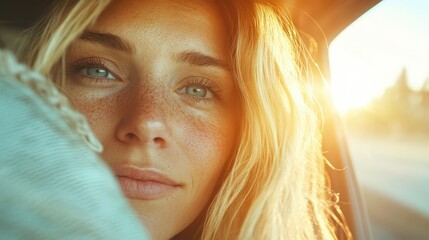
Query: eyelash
x=92, y=63
x=203, y=83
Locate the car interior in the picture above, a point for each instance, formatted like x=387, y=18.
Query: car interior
x=319, y=22
x=323, y=21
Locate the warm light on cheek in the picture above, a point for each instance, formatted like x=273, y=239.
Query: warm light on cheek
x=203, y=136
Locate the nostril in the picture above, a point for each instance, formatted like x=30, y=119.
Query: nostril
x=141, y=131
x=159, y=141
x=130, y=136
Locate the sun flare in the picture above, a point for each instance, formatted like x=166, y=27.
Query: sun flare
x=347, y=97
x=366, y=61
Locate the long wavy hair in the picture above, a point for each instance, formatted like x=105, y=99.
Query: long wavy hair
x=275, y=187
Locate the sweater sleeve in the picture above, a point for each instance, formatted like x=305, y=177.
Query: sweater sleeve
x=52, y=185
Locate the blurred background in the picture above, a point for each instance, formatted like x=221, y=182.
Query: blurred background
x=380, y=86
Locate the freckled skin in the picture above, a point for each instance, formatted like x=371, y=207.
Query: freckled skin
x=143, y=121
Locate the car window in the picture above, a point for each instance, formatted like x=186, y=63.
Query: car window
x=380, y=86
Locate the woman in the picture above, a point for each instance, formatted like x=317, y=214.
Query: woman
x=203, y=108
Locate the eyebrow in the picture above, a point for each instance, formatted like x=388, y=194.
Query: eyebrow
x=115, y=42
x=108, y=40
x=199, y=59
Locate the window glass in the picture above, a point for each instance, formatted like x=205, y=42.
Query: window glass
x=380, y=86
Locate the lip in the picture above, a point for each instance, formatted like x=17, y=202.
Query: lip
x=145, y=183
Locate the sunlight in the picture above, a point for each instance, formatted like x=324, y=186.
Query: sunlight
x=347, y=98
x=369, y=55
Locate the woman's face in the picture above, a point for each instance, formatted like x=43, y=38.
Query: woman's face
x=153, y=80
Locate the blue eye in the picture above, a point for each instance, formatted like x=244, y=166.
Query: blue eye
x=96, y=72
x=196, y=91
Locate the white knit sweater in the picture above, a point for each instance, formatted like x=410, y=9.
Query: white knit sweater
x=52, y=185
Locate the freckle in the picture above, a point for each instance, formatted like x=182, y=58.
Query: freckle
x=150, y=96
x=202, y=137
x=99, y=113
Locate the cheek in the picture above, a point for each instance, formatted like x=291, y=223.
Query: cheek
x=201, y=138
x=100, y=115
x=208, y=142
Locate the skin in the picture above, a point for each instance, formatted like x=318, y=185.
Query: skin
x=152, y=109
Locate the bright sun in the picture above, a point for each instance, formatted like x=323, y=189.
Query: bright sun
x=350, y=97
x=365, y=61
x=354, y=85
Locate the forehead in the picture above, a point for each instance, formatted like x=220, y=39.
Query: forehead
x=156, y=24
x=166, y=12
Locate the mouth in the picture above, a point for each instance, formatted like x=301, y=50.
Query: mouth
x=145, y=184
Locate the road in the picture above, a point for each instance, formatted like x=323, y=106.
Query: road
x=394, y=176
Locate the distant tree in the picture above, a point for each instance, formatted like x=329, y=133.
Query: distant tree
x=400, y=110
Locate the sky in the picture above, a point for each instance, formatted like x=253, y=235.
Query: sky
x=369, y=55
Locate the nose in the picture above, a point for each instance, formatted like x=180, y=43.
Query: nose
x=143, y=125
x=142, y=131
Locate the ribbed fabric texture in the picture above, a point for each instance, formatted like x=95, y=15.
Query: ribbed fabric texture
x=52, y=185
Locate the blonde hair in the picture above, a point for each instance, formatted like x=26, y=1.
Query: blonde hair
x=275, y=187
